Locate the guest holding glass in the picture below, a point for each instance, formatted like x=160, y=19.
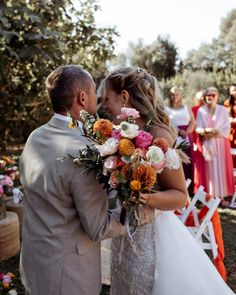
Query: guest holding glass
x=183, y=119
x=213, y=125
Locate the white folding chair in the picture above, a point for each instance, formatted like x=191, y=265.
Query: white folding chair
x=191, y=208
x=188, y=181
x=202, y=230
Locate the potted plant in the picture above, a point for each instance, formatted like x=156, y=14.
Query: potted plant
x=14, y=199
x=9, y=222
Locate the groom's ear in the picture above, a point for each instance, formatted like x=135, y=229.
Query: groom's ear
x=81, y=98
x=124, y=97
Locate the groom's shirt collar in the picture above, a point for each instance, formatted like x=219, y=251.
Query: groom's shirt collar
x=67, y=119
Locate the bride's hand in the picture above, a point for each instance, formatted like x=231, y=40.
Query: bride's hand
x=147, y=212
x=144, y=198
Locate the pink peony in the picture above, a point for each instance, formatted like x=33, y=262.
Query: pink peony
x=116, y=134
x=128, y=112
x=143, y=140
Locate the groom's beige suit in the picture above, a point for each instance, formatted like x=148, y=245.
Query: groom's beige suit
x=66, y=215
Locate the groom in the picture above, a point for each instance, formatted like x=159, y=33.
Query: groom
x=66, y=210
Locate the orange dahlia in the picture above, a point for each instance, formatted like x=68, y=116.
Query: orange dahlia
x=146, y=175
x=162, y=143
x=103, y=127
x=126, y=147
x=135, y=185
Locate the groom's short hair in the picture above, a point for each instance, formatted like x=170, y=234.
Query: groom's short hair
x=63, y=84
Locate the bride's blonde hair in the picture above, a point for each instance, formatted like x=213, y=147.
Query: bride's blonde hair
x=144, y=95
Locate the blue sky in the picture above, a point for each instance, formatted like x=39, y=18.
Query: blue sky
x=187, y=22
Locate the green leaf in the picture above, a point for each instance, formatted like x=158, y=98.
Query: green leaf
x=183, y=145
x=121, y=178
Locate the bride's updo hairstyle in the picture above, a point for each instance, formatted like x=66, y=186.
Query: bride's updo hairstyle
x=144, y=94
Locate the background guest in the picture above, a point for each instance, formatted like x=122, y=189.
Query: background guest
x=183, y=119
x=199, y=99
x=198, y=160
x=213, y=125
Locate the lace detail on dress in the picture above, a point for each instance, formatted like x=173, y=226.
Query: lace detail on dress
x=133, y=271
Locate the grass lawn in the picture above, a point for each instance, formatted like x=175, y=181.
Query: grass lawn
x=228, y=219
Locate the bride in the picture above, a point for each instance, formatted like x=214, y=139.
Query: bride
x=162, y=258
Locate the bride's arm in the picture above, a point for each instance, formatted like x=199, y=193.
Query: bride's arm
x=174, y=192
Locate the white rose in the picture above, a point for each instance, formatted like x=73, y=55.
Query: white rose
x=172, y=159
x=110, y=147
x=156, y=157
x=128, y=130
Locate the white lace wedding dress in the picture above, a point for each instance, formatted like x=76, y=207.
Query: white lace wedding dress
x=163, y=259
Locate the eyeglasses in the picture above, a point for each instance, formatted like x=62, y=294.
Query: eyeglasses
x=210, y=95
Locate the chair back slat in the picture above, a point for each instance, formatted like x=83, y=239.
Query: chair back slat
x=202, y=228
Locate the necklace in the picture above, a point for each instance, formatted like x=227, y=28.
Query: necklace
x=211, y=111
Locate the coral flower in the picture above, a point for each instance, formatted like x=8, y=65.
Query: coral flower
x=114, y=181
x=162, y=143
x=126, y=147
x=103, y=127
x=135, y=185
x=119, y=162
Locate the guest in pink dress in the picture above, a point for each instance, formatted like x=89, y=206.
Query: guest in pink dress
x=183, y=119
x=198, y=160
x=213, y=125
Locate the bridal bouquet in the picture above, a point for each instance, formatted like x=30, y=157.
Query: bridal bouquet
x=126, y=159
